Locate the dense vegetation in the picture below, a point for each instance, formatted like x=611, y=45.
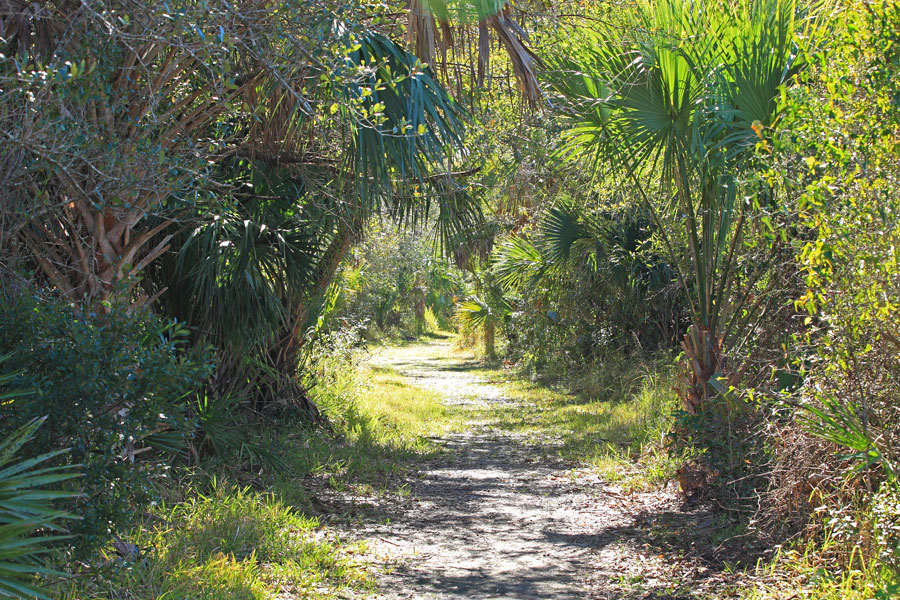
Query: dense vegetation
x=208, y=210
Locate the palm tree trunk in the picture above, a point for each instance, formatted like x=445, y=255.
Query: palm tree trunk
x=285, y=353
x=489, y=334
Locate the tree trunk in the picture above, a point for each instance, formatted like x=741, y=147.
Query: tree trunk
x=285, y=353
x=489, y=334
x=420, y=311
x=703, y=353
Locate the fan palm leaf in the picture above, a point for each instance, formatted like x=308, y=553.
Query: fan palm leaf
x=474, y=313
x=233, y=275
x=519, y=263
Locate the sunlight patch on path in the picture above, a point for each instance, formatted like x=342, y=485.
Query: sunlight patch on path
x=494, y=517
x=432, y=366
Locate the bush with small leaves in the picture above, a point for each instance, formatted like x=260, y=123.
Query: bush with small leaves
x=112, y=389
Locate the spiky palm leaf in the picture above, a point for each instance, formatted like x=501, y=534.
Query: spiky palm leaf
x=233, y=276
x=474, y=313
x=28, y=520
x=519, y=263
x=606, y=247
x=417, y=122
x=407, y=131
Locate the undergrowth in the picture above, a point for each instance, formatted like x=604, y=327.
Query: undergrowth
x=801, y=571
x=229, y=543
x=253, y=538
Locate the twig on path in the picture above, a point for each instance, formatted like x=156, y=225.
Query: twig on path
x=389, y=542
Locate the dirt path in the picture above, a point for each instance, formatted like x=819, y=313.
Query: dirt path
x=495, y=518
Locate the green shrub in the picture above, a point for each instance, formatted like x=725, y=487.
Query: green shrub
x=111, y=387
x=886, y=514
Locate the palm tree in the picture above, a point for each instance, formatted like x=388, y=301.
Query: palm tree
x=478, y=312
x=688, y=99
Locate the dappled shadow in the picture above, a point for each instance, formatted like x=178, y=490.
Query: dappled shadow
x=490, y=492
x=501, y=515
x=515, y=585
x=465, y=366
x=484, y=583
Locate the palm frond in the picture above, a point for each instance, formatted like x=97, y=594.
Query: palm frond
x=28, y=520
x=524, y=62
x=561, y=229
x=473, y=313
x=519, y=264
x=235, y=274
x=416, y=126
x=477, y=311
x=406, y=133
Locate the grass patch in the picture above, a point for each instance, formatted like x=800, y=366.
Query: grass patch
x=230, y=544
x=407, y=415
x=801, y=572
x=616, y=420
x=381, y=427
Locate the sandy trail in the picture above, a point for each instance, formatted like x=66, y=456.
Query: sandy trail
x=495, y=518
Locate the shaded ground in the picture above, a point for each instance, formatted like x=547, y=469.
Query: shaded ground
x=495, y=517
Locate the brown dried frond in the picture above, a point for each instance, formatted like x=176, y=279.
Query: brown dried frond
x=425, y=35
x=523, y=60
x=421, y=32
x=484, y=50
